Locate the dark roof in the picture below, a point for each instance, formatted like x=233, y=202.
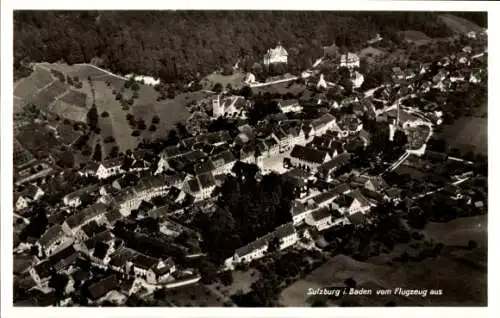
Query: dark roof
x=336, y=162
x=321, y=214
x=193, y=185
x=86, y=214
x=44, y=269
x=322, y=121
x=288, y=102
x=355, y=194
x=204, y=167
x=105, y=236
x=280, y=232
x=100, y=250
x=223, y=158
x=91, y=228
x=120, y=257
x=357, y=218
x=270, y=142
x=144, y=261
x=298, y=173
x=22, y=263
x=64, y=258
x=206, y=180
x=298, y=208
x=52, y=234
x=308, y=154
x=113, y=215
x=29, y=190
x=103, y=286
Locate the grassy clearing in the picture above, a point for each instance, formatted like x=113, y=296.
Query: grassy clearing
x=242, y=281
x=235, y=80
x=193, y=296
x=48, y=95
x=468, y=133
x=27, y=86
x=412, y=35
x=68, y=111
x=75, y=98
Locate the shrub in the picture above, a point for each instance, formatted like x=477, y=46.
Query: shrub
x=136, y=133
x=105, y=114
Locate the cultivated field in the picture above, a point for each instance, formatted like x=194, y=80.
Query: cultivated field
x=28, y=86
x=75, y=98
x=460, y=273
x=468, y=133
x=193, y=296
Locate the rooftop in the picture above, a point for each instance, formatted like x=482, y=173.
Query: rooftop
x=308, y=154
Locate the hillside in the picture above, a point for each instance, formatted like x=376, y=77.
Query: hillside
x=458, y=24
x=182, y=45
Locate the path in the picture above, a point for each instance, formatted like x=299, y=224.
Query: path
x=104, y=71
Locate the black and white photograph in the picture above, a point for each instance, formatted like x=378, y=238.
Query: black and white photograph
x=247, y=158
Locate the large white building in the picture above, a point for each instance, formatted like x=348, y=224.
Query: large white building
x=276, y=56
x=349, y=60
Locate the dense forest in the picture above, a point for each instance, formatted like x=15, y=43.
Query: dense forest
x=184, y=45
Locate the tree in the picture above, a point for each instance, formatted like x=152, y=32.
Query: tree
x=350, y=282
x=92, y=117
x=208, y=272
x=136, y=133
x=400, y=139
x=172, y=138
x=226, y=278
x=155, y=120
x=97, y=153
x=58, y=282
x=104, y=114
x=246, y=91
x=114, y=152
x=152, y=128
x=218, y=88
x=471, y=244
x=160, y=294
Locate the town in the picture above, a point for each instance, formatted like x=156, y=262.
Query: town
x=265, y=182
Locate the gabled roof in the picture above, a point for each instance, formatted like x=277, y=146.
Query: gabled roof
x=204, y=167
x=321, y=214
x=357, y=218
x=280, y=232
x=91, y=228
x=102, y=287
x=105, y=236
x=298, y=208
x=82, y=216
x=144, y=261
x=308, y=154
x=322, y=121
x=336, y=162
x=356, y=194
x=206, y=180
x=51, y=235
x=223, y=158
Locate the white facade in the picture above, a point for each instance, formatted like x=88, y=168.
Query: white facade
x=148, y=80
x=357, y=80
x=276, y=56
x=349, y=60
x=106, y=172
x=311, y=165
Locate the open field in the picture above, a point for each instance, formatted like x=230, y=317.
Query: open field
x=459, y=25
x=68, y=111
x=195, y=295
x=242, y=281
x=468, y=133
x=412, y=35
x=460, y=273
x=75, y=98
x=29, y=85
x=36, y=138
x=235, y=80
x=47, y=95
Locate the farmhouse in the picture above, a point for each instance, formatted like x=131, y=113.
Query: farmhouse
x=201, y=186
x=301, y=210
x=308, y=157
x=223, y=162
x=74, y=199
x=95, y=212
x=31, y=193
x=285, y=235
x=349, y=60
x=289, y=105
x=276, y=56
x=109, y=168
x=153, y=270
x=321, y=125
x=54, y=240
x=324, y=218
x=353, y=202
x=325, y=170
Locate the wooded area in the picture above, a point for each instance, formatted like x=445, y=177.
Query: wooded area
x=185, y=45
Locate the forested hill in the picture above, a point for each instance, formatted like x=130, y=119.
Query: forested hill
x=185, y=44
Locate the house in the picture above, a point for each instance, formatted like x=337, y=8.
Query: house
x=289, y=105
x=276, y=56
x=272, y=146
x=397, y=73
x=285, y=235
x=41, y=273
x=357, y=79
x=201, y=186
x=324, y=218
x=88, y=230
x=30, y=193
x=353, y=202
x=223, y=162
x=467, y=49
x=110, y=168
x=393, y=195
x=54, y=240
x=152, y=270
x=297, y=135
x=284, y=140
x=95, y=212
x=376, y=184
x=321, y=125
x=308, y=157
x=471, y=35
x=228, y=106
x=299, y=179
x=99, y=290
x=300, y=211
x=98, y=247
x=326, y=169
x=65, y=258
x=74, y=199
x=327, y=198
x=349, y=60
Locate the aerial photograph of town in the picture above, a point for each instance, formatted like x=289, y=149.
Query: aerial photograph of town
x=181, y=158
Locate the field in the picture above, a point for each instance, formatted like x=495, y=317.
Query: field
x=36, y=138
x=31, y=84
x=236, y=79
x=459, y=25
x=21, y=156
x=47, y=95
x=468, y=133
x=458, y=272
x=193, y=296
x=68, y=111
x=241, y=282
x=413, y=36
x=75, y=98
